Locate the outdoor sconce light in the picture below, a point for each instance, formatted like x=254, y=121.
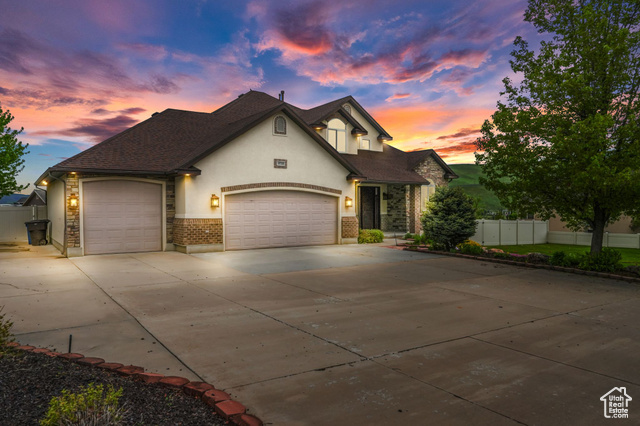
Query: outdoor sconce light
x=348, y=202
x=215, y=200
x=73, y=201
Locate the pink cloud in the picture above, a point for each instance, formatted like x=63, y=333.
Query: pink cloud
x=396, y=96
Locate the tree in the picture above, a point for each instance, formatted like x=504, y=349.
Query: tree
x=450, y=217
x=11, y=152
x=567, y=139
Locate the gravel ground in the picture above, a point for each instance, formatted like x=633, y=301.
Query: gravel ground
x=28, y=381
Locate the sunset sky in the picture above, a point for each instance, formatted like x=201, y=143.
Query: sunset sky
x=76, y=72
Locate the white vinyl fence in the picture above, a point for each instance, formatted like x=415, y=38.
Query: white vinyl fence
x=584, y=239
x=510, y=232
x=519, y=232
x=12, y=219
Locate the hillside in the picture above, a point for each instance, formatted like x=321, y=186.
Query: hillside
x=468, y=181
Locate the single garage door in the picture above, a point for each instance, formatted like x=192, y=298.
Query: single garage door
x=280, y=219
x=121, y=216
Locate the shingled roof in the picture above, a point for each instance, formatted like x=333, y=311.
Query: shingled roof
x=389, y=166
x=173, y=141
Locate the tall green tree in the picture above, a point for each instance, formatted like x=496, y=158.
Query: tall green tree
x=566, y=140
x=11, y=153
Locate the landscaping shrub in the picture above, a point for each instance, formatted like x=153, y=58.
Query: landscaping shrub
x=608, y=260
x=408, y=235
x=367, y=236
x=537, y=258
x=5, y=330
x=92, y=406
x=570, y=260
x=450, y=217
x=470, y=247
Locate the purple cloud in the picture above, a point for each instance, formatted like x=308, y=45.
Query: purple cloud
x=97, y=130
x=461, y=134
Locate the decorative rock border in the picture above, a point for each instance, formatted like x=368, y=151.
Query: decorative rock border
x=221, y=402
x=531, y=265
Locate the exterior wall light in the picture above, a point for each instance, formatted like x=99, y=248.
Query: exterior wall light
x=73, y=201
x=215, y=201
x=348, y=202
x=44, y=182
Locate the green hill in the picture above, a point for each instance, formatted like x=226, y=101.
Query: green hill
x=468, y=181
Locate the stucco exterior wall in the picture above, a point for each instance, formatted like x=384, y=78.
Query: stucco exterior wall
x=376, y=145
x=55, y=209
x=249, y=159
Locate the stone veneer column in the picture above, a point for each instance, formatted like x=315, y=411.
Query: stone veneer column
x=72, y=217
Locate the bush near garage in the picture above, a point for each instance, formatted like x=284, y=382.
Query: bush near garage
x=369, y=236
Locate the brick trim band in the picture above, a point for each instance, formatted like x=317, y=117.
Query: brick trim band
x=280, y=185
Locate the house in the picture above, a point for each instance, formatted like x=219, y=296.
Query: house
x=38, y=197
x=258, y=172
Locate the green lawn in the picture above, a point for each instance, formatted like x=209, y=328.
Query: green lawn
x=629, y=256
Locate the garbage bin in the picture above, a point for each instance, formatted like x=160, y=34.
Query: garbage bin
x=37, y=230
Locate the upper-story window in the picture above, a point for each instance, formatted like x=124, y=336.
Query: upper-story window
x=280, y=125
x=337, y=134
x=347, y=108
x=365, y=144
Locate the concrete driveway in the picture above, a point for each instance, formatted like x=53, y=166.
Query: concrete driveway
x=344, y=334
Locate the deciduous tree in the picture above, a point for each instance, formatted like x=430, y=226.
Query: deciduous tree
x=566, y=140
x=11, y=153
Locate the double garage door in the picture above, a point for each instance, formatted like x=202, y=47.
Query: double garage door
x=121, y=216
x=280, y=219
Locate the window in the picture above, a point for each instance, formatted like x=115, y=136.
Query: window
x=280, y=126
x=337, y=135
x=365, y=144
x=347, y=108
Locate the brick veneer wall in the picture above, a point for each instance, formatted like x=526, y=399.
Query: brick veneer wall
x=350, y=227
x=72, y=231
x=187, y=232
x=431, y=170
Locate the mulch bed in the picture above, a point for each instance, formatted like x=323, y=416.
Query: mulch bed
x=619, y=275
x=28, y=381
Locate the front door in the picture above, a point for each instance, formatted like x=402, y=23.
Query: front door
x=369, y=207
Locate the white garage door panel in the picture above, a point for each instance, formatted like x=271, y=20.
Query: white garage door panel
x=121, y=216
x=280, y=219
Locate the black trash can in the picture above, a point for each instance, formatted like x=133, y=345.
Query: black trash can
x=37, y=230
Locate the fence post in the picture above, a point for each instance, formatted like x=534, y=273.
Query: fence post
x=482, y=232
x=499, y=232
x=517, y=230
